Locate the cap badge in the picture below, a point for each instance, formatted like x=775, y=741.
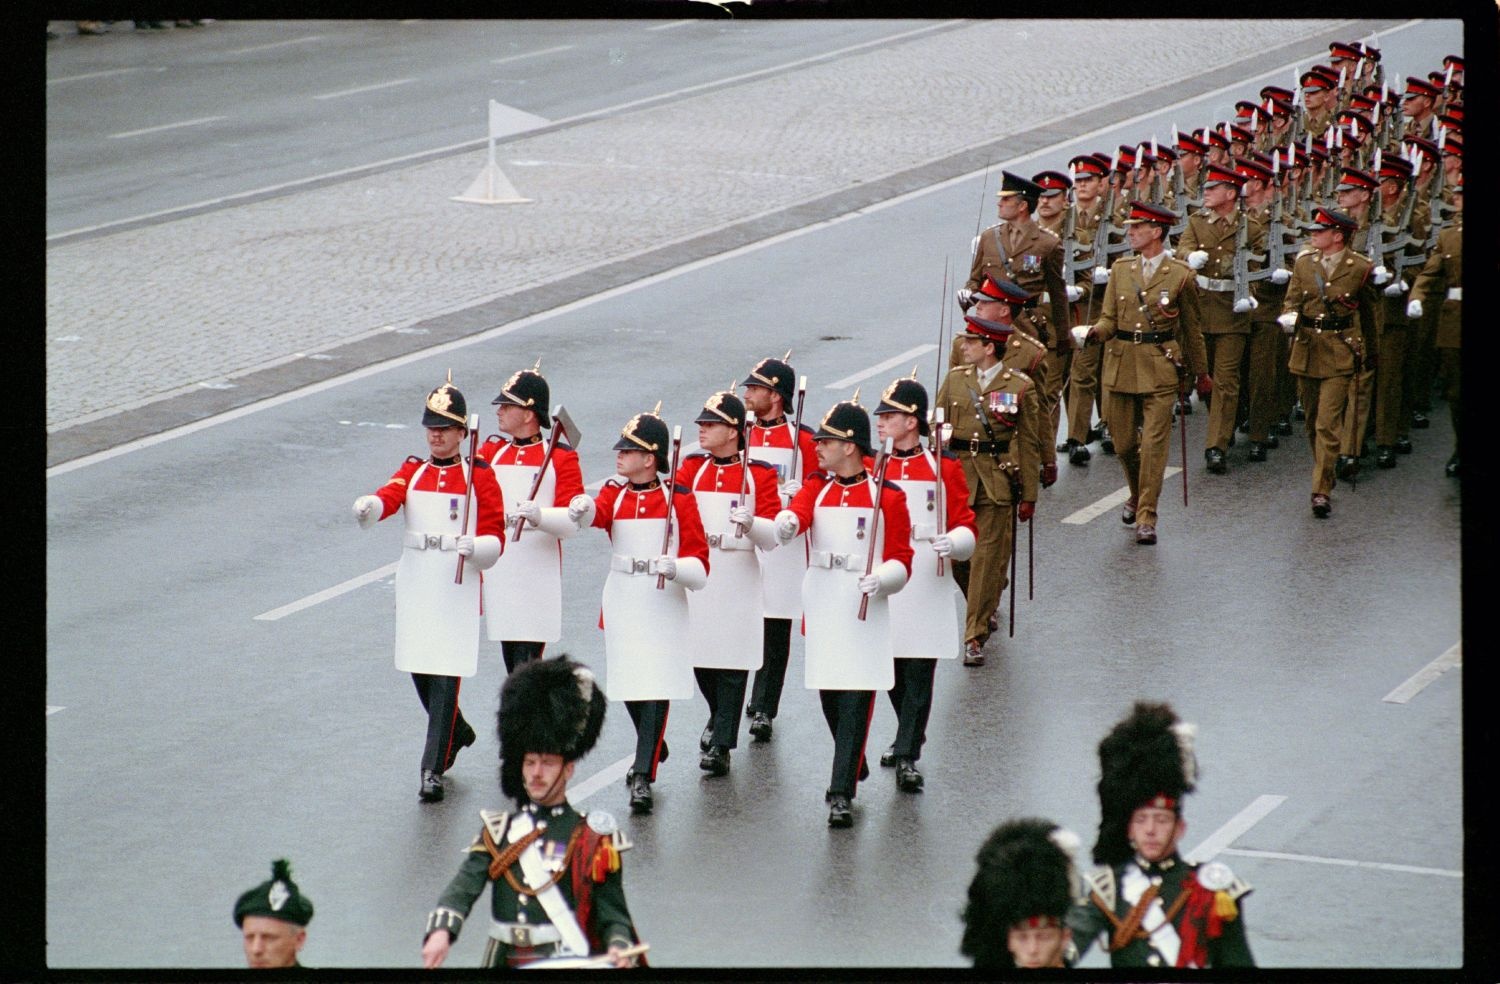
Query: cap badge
x=278, y=896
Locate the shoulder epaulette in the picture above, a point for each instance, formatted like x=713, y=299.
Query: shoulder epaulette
x=1309, y=251
x=756, y=463
x=698, y=454
x=681, y=489
x=1049, y=232
x=1221, y=880
x=494, y=823
x=563, y=445
x=949, y=454
x=494, y=439
x=413, y=458
x=613, y=481
x=807, y=429
x=1101, y=881
x=480, y=463
x=1018, y=374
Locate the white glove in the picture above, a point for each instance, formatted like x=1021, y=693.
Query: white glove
x=870, y=585
x=528, y=510
x=791, y=488
x=367, y=510
x=786, y=525
x=1080, y=334
x=1281, y=276
x=965, y=298
x=668, y=566
x=741, y=515
x=1380, y=275
x=942, y=545
x=1197, y=259
x=465, y=545
x=1101, y=274
x=1075, y=293
x=1288, y=322
x=1414, y=308
x=1245, y=304
x=1170, y=252
x=579, y=507
x=1396, y=288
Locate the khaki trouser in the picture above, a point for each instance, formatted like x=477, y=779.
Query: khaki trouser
x=1225, y=352
x=1265, y=345
x=1392, y=411
x=1423, y=358
x=1083, y=391
x=1324, y=401
x=1355, y=428
x=985, y=575
x=1448, y=357
x=1141, y=425
x=1050, y=377
x=1286, y=384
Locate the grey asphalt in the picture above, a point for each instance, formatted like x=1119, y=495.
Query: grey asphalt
x=194, y=742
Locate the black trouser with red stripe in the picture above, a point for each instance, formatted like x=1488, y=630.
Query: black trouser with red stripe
x=516, y=653
x=725, y=692
x=912, y=699
x=776, y=648
x=446, y=727
x=848, y=714
x=650, y=717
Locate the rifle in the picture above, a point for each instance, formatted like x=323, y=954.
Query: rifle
x=1435, y=220
x=1276, y=247
x=1240, y=265
x=1140, y=296
x=666, y=537
x=562, y=424
x=880, y=464
x=458, y=576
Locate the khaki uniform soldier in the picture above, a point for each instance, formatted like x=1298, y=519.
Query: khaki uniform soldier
x=1319, y=100
x=1021, y=252
x=1268, y=349
x=994, y=412
x=1151, y=329
x=1083, y=397
x=1418, y=105
x=1330, y=310
x=1442, y=279
x=1210, y=243
x=1421, y=359
x=1355, y=196
x=1396, y=332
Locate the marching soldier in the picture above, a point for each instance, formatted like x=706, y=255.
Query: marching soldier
x=656, y=559
x=1153, y=343
x=725, y=617
x=437, y=621
x=1213, y=237
x=523, y=591
x=995, y=412
x=857, y=558
x=1267, y=347
x=555, y=873
x=1355, y=194
x=273, y=918
x=1190, y=153
x=1395, y=332
x=926, y=615
x=1156, y=909
x=787, y=446
x=1020, y=897
x=1318, y=100
x=1330, y=311
x=1083, y=377
x=1418, y=106
x=1442, y=280
x=1022, y=252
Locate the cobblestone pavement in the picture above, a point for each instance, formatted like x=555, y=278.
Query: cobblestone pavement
x=207, y=299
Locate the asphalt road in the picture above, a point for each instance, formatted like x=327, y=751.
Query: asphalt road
x=189, y=741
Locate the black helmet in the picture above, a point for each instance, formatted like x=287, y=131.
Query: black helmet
x=646, y=432
x=906, y=395
x=724, y=408
x=774, y=374
x=846, y=421
x=446, y=407
x=527, y=389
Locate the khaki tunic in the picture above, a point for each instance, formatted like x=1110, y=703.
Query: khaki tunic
x=1148, y=368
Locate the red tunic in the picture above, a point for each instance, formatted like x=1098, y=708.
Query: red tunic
x=449, y=479
x=894, y=522
x=918, y=468
x=652, y=504
x=498, y=451
x=780, y=436
x=701, y=473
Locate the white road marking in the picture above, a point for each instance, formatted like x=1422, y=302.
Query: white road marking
x=863, y=374
x=1106, y=504
x=1236, y=826
x=364, y=88
x=1343, y=862
x=610, y=773
x=52, y=710
x=1419, y=680
x=326, y=593
x=166, y=126
x=532, y=54
x=671, y=25
x=97, y=75
x=274, y=44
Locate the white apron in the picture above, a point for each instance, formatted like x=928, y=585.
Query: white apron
x=725, y=629
x=437, y=621
x=523, y=591
x=927, y=614
x=782, y=569
x=844, y=653
x=645, y=630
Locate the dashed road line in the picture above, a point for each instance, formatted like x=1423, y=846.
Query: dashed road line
x=1411, y=869
x=364, y=88
x=1236, y=826
x=533, y=54
x=610, y=773
x=327, y=593
x=1418, y=681
x=100, y=75
x=1108, y=503
x=863, y=374
x=52, y=710
x=669, y=26
x=166, y=126
x=274, y=44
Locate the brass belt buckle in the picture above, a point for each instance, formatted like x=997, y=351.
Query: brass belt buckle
x=520, y=936
x=973, y=445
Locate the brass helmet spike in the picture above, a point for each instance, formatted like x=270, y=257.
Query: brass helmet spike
x=855, y=398
x=450, y=377
x=656, y=412
x=538, y=366
x=914, y=370
x=788, y=355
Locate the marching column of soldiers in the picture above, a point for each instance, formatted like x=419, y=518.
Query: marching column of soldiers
x=1301, y=262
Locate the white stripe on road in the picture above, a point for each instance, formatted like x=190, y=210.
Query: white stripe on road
x=1237, y=825
x=99, y=75
x=52, y=710
x=166, y=126
x=669, y=26
x=274, y=44
x=1419, y=680
x=611, y=773
x=532, y=54
x=1116, y=498
x=326, y=593
x=897, y=360
x=1343, y=862
x=364, y=88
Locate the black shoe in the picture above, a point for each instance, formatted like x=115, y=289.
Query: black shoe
x=1231, y=438
x=1107, y=444
x=1065, y=446
x=665, y=751
x=908, y=779
x=839, y=814
x=1094, y=434
x=760, y=726
x=1272, y=441
x=1283, y=427
x=1298, y=413
x=1321, y=506
x=973, y=653
x=1187, y=407
x=1145, y=534
x=1451, y=468
x=1403, y=445
x=1346, y=467
x=706, y=739
x=864, y=768
x=1257, y=451
x=715, y=761
x=1419, y=420
x=1127, y=512
x=993, y=624
x=1385, y=458
x=1215, y=459
x=888, y=757
x=465, y=740
x=1079, y=455
x=1244, y=427
x=432, y=787
x=640, y=793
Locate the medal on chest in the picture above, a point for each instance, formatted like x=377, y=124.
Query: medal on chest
x=452, y=508
x=1031, y=263
x=1003, y=406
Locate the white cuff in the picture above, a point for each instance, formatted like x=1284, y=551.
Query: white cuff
x=892, y=576
x=763, y=533
x=554, y=520
x=486, y=552
x=691, y=573
x=376, y=509
x=963, y=543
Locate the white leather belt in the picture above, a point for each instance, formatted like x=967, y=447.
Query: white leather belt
x=836, y=561
x=524, y=934
x=923, y=531
x=1208, y=283
x=429, y=541
x=1455, y=293
x=633, y=565
x=728, y=541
